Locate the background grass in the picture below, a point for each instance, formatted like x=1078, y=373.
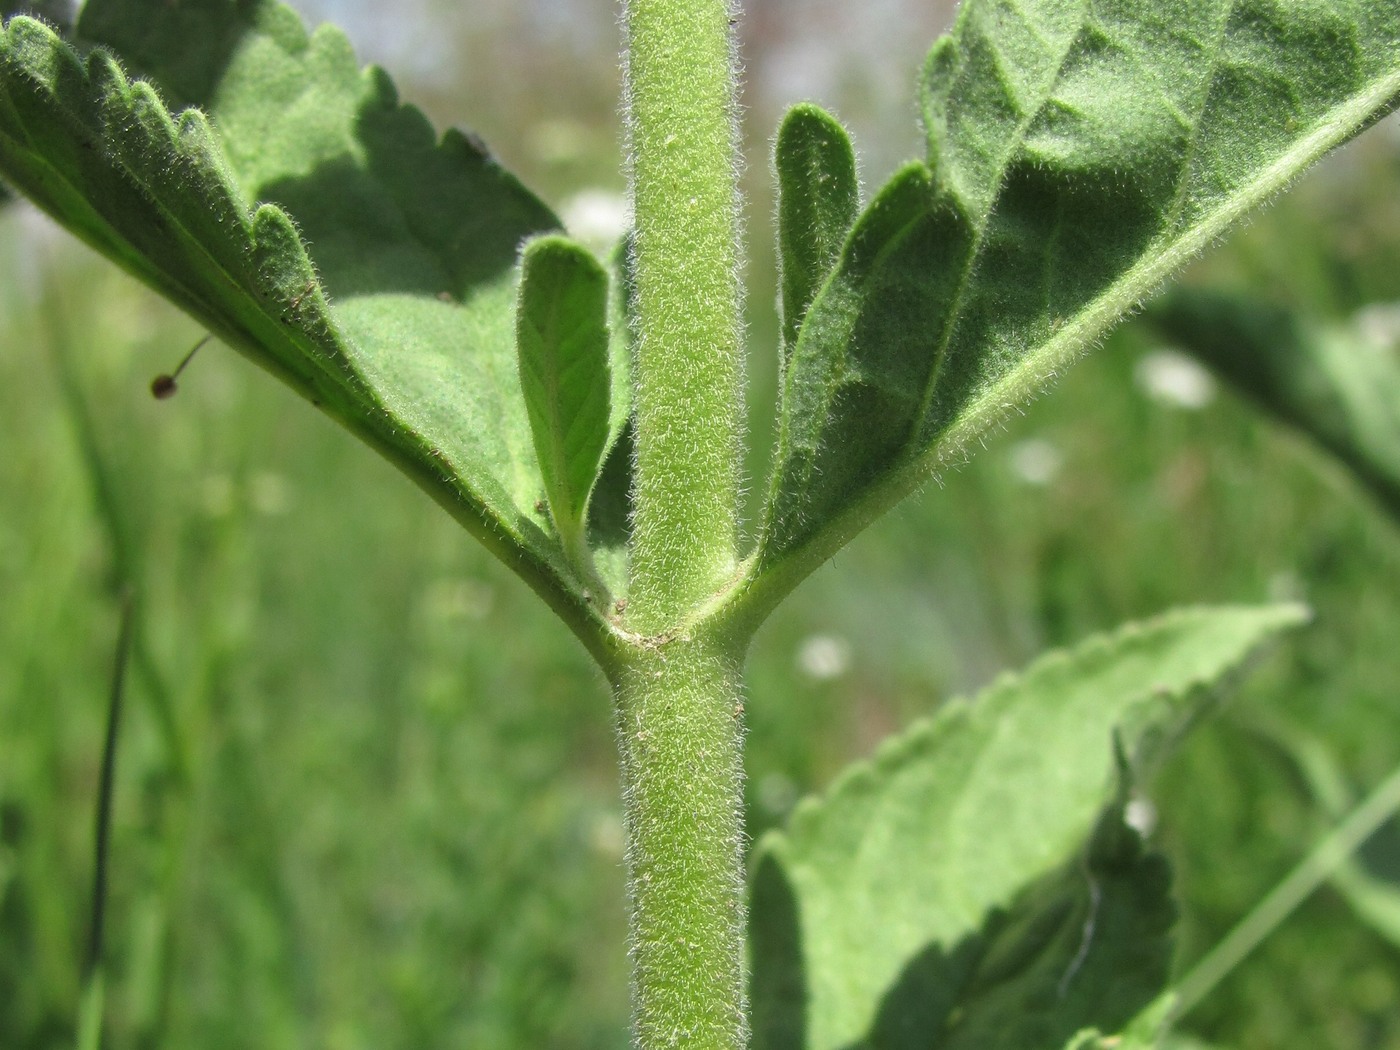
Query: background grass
x=366, y=792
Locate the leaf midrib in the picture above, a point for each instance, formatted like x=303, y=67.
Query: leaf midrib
x=1159, y=260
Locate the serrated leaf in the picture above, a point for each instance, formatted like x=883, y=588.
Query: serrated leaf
x=398, y=320
x=818, y=198
x=562, y=338
x=1077, y=155
x=1334, y=382
x=1088, y=944
x=911, y=853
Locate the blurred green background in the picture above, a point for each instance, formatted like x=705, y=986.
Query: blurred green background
x=366, y=793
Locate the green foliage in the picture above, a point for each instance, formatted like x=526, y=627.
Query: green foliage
x=415, y=239
x=382, y=786
x=1333, y=382
x=881, y=895
x=818, y=198
x=1374, y=895
x=562, y=336
x=1076, y=157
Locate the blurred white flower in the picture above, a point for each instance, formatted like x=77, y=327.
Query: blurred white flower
x=1140, y=815
x=1036, y=461
x=1379, y=324
x=596, y=217
x=823, y=657
x=1174, y=379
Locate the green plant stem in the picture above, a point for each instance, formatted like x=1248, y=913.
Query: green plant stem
x=689, y=375
x=678, y=683
x=680, y=735
x=1315, y=869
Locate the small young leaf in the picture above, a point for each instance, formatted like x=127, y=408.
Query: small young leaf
x=1078, y=154
x=905, y=861
x=818, y=197
x=864, y=352
x=1332, y=382
x=562, y=338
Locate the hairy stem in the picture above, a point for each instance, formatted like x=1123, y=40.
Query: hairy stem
x=680, y=733
x=682, y=152
x=678, y=687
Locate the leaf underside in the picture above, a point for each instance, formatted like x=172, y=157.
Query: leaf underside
x=308, y=219
x=1079, y=152
x=818, y=198
x=562, y=339
x=1335, y=383
x=898, y=874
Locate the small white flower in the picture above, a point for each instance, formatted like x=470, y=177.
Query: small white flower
x=596, y=217
x=1174, y=379
x=1140, y=815
x=823, y=657
x=1379, y=324
x=1036, y=461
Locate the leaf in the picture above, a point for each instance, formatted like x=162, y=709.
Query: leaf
x=818, y=197
x=1334, y=383
x=1088, y=944
x=398, y=321
x=562, y=339
x=911, y=855
x=610, y=507
x=1078, y=154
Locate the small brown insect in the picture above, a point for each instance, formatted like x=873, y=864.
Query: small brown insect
x=296, y=301
x=163, y=386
